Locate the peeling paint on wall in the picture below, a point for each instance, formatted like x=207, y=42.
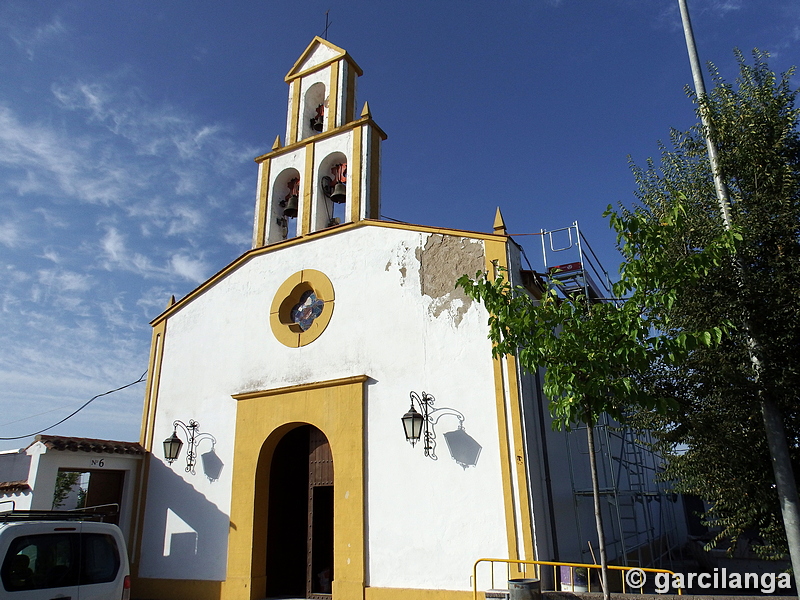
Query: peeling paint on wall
x=402, y=255
x=442, y=260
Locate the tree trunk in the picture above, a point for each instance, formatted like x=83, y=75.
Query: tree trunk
x=598, y=517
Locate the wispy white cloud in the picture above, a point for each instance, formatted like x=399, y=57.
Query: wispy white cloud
x=110, y=195
x=725, y=6
x=10, y=234
x=48, y=160
x=235, y=237
x=65, y=281
x=191, y=269
x=29, y=41
x=119, y=256
x=51, y=255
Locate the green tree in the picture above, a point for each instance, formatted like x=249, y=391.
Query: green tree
x=593, y=352
x=714, y=435
x=65, y=481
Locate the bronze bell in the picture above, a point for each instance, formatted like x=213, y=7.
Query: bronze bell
x=339, y=193
x=291, y=206
x=317, y=120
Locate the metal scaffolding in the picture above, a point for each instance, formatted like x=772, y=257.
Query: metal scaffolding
x=640, y=509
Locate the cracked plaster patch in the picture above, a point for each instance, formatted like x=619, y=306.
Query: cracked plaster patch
x=399, y=260
x=442, y=261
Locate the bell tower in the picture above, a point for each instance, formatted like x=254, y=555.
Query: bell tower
x=328, y=171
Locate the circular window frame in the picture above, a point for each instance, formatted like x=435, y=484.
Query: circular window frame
x=286, y=331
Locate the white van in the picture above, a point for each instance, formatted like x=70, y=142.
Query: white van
x=47, y=555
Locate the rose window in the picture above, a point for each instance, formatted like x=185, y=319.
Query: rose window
x=308, y=309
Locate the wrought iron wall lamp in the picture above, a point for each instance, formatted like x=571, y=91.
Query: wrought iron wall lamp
x=173, y=444
x=422, y=425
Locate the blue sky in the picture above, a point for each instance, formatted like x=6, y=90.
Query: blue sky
x=128, y=129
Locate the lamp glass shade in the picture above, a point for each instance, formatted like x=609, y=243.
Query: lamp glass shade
x=172, y=447
x=412, y=424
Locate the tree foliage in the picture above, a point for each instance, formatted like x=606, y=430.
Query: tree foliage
x=594, y=353
x=672, y=353
x=713, y=434
x=65, y=482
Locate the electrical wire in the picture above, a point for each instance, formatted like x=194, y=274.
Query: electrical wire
x=75, y=412
x=395, y=220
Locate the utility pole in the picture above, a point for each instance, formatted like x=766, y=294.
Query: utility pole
x=773, y=420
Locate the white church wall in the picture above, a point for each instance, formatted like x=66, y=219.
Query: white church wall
x=432, y=517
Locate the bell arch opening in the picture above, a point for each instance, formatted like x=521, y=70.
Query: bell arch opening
x=334, y=191
x=285, y=204
x=299, y=541
x=314, y=109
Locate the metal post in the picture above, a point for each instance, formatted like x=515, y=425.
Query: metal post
x=773, y=421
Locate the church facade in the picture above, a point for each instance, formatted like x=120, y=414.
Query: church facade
x=285, y=376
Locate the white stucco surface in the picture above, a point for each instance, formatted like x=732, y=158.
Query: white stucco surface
x=320, y=54
x=433, y=517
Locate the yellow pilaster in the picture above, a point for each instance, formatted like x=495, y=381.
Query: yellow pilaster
x=262, y=205
x=333, y=96
x=374, y=208
x=294, y=134
x=308, y=190
x=350, y=108
x=146, y=437
x=355, y=175
x=512, y=448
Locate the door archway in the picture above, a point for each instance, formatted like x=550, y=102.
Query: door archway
x=300, y=516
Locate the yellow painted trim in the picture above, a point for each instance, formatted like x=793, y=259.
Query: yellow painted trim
x=341, y=54
x=333, y=97
x=263, y=205
x=309, y=182
x=176, y=589
x=521, y=462
x=499, y=224
x=292, y=146
x=251, y=254
x=288, y=296
x=350, y=108
x=355, y=175
x=146, y=434
x=153, y=381
x=377, y=593
x=496, y=255
x=374, y=208
x=294, y=124
x=337, y=409
x=511, y=416
x=302, y=387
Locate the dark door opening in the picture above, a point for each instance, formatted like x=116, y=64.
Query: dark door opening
x=91, y=488
x=300, y=516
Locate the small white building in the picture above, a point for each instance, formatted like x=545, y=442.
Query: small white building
x=287, y=373
x=28, y=476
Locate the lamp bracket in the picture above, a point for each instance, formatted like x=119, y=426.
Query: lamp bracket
x=431, y=416
x=194, y=438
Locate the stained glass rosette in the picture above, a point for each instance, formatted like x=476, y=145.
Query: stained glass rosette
x=308, y=309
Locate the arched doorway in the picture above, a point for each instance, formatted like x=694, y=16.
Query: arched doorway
x=300, y=516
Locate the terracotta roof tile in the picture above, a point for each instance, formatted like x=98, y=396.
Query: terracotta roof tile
x=58, y=442
x=14, y=486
